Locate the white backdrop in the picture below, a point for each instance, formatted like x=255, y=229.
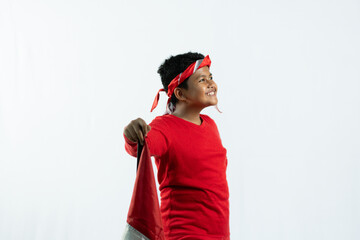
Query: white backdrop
x=73, y=73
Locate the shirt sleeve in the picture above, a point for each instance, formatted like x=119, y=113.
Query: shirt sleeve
x=130, y=147
x=156, y=140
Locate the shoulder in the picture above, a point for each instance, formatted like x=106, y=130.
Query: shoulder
x=161, y=122
x=161, y=119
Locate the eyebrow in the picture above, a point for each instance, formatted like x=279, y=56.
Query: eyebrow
x=204, y=76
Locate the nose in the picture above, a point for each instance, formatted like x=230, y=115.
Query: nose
x=211, y=83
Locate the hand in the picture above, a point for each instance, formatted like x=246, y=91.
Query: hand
x=137, y=130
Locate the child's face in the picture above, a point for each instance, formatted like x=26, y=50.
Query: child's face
x=202, y=89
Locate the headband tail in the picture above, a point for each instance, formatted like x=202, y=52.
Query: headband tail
x=156, y=100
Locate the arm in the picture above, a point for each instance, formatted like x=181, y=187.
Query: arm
x=154, y=136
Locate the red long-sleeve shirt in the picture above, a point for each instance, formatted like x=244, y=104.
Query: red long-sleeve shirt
x=191, y=162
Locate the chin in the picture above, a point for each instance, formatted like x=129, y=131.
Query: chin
x=213, y=103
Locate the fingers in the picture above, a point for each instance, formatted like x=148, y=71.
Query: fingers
x=130, y=134
x=144, y=127
x=137, y=130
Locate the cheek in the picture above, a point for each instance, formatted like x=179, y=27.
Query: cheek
x=198, y=91
x=202, y=91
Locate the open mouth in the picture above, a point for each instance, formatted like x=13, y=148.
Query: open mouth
x=212, y=93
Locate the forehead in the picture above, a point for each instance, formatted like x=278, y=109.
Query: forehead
x=201, y=71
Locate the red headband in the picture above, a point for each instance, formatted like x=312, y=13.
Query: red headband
x=180, y=78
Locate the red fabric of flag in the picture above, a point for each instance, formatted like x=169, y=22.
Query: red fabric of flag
x=144, y=212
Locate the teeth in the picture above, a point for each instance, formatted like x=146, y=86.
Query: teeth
x=211, y=93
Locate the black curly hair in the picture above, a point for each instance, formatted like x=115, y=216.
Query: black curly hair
x=174, y=65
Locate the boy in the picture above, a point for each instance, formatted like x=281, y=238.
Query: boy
x=188, y=152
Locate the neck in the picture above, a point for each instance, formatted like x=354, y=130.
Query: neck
x=187, y=113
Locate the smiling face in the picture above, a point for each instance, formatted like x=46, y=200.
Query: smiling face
x=201, y=90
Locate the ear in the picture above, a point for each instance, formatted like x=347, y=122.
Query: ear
x=179, y=94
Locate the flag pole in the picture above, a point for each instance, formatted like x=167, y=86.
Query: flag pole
x=139, y=150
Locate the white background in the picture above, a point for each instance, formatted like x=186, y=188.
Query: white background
x=74, y=73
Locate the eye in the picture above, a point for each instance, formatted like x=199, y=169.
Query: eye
x=201, y=80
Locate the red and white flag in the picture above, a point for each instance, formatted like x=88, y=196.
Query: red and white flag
x=144, y=218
